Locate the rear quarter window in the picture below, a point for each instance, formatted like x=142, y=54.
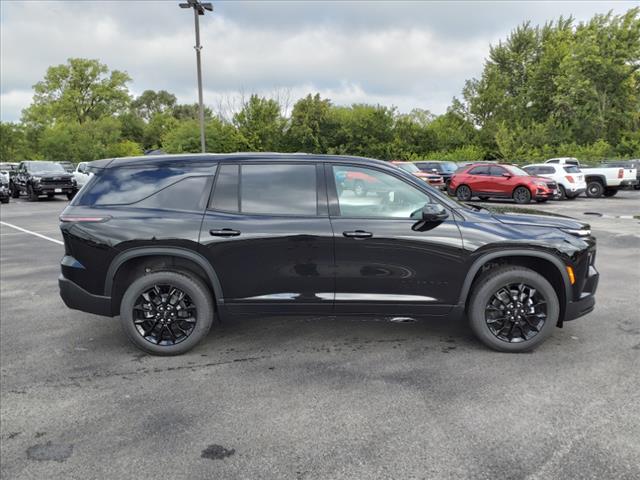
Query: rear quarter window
x=171, y=187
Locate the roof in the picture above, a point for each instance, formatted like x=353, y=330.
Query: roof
x=206, y=158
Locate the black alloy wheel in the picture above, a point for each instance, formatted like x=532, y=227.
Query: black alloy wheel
x=463, y=192
x=164, y=315
x=522, y=195
x=516, y=313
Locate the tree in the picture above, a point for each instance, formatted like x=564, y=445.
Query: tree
x=309, y=125
x=151, y=102
x=78, y=91
x=14, y=145
x=221, y=137
x=260, y=124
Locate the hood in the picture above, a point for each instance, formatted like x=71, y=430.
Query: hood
x=540, y=220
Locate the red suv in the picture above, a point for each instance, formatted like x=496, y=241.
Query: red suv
x=500, y=181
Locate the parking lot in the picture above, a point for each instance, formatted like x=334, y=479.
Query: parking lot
x=317, y=398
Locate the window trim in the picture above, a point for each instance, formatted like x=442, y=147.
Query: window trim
x=470, y=171
x=334, y=202
x=268, y=162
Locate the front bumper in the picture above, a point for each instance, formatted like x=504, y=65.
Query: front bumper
x=586, y=302
x=59, y=190
x=77, y=298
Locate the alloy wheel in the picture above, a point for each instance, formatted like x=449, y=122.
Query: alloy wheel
x=522, y=195
x=463, y=193
x=164, y=315
x=516, y=313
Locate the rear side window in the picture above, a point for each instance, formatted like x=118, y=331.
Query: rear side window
x=496, y=171
x=571, y=169
x=186, y=194
x=483, y=170
x=531, y=170
x=267, y=189
x=129, y=186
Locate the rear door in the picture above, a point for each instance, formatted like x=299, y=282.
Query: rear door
x=478, y=179
x=268, y=236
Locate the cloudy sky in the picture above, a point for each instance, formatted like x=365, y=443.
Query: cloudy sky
x=413, y=54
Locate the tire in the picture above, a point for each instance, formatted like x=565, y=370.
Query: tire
x=464, y=194
x=71, y=195
x=563, y=193
x=15, y=192
x=33, y=196
x=571, y=197
x=358, y=188
x=5, y=200
x=482, y=306
x=610, y=192
x=196, y=294
x=595, y=189
x=50, y=195
x=483, y=198
x=541, y=200
x=522, y=195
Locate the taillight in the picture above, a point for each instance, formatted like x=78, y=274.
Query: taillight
x=83, y=219
x=569, y=178
x=621, y=173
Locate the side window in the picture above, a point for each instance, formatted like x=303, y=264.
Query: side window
x=364, y=192
x=553, y=161
x=279, y=189
x=267, y=189
x=225, y=195
x=496, y=171
x=483, y=170
x=547, y=170
x=186, y=194
x=531, y=170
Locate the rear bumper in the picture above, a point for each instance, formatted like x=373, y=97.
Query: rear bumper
x=77, y=298
x=628, y=183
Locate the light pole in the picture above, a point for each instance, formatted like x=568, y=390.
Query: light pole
x=198, y=9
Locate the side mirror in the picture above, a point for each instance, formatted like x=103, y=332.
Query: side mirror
x=434, y=212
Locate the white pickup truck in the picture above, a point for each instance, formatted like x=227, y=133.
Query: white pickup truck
x=602, y=180
x=82, y=174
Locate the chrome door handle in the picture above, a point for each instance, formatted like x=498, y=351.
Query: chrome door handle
x=358, y=234
x=224, y=232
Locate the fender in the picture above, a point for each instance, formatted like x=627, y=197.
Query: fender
x=482, y=260
x=588, y=177
x=195, y=257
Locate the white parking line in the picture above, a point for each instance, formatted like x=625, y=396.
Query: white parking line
x=32, y=233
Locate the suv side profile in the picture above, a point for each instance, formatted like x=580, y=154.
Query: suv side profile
x=569, y=178
x=171, y=242
x=500, y=181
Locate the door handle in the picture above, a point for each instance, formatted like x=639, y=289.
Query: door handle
x=224, y=232
x=358, y=234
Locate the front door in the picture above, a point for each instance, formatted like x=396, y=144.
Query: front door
x=268, y=236
x=385, y=263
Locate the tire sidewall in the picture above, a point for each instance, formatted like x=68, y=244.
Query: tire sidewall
x=464, y=188
x=487, y=287
x=192, y=286
x=597, y=187
x=515, y=195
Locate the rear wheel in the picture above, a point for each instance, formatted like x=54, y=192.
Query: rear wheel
x=522, y=195
x=463, y=192
x=610, y=192
x=513, y=309
x=563, y=192
x=166, y=313
x=595, y=189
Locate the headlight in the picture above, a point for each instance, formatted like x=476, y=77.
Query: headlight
x=541, y=185
x=578, y=233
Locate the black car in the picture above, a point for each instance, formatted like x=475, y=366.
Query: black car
x=34, y=178
x=442, y=168
x=170, y=242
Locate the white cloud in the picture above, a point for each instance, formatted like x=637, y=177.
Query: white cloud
x=415, y=54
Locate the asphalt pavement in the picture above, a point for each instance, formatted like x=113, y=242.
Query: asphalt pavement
x=316, y=398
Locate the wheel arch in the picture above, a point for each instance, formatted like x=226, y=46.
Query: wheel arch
x=544, y=263
x=597, y=177
x=129, y=264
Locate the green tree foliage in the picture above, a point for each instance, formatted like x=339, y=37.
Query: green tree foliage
x=260, y=124
x=220, y=137
x=310, y=125
x=14, y=145
x=151, y=102
x=78, y=91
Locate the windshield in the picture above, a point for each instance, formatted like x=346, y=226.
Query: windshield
x=409, y=167
x=517, y=171
x=45, y=167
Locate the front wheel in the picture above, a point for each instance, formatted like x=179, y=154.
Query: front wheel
x=166, y=313
x=70, y=195
x=513, y=309
x=463, y=192
x=15, y=192
x=522, y=195
x=33, y=196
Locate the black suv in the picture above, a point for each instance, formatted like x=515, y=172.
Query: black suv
x=169, y=242
x=35, y=178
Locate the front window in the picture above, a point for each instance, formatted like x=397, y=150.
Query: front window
x=364, y=192
x=34, y=167
x=409, y=167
